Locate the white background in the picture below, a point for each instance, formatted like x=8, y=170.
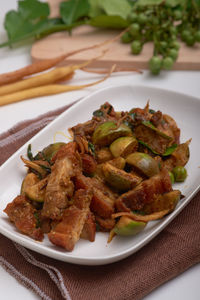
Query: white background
x=184, y=287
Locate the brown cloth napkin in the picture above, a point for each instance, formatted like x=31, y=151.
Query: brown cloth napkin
x=173, y=251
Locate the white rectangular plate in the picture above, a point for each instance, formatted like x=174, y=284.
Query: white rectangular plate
x=184, y=109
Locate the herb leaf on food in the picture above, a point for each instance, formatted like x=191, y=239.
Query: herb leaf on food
x=29, y=153
x=170, y=150
x=91, y=148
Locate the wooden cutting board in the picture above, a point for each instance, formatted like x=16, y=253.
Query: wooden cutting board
x=60, y=43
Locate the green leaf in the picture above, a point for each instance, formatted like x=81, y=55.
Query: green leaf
x=22, y=22
x=147, y=146
x=197, y=2
x=73, y=10
x=170, y=150
x=167, y=152
x=16, y=26
x=95, y=8
x=29, y=153
x=148, y=124
x=41, y=29
x=174, y=3
x=120, y=8
x=37, y=219
x=151, y=126
x=113, y=22
x=148, y=2
x=33, y=9
x=91, y=148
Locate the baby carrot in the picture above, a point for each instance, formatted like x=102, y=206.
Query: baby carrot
x=43, y=79
x=42, y=65
x=46, y=90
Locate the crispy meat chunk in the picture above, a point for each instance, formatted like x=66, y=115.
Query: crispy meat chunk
x=85, y=129
x=82, y=182
x=179, y=157
x=101, y=204
x=45, y=224
x=89, y=228
x=88, y=164
x=156, y=118
x=103, y=155
x=24, y=216
x=103, y=198
x=67, y=232
x=173, y=129
x=141, y=114
x=58, y=189
x=145, y=192
x=162, y=202
x=105, y=224
x=150, y=137
x=60, y=185
x=68, y=150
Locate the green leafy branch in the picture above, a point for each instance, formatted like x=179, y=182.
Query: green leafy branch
x=31, y=20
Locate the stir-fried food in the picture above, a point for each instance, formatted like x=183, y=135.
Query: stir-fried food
x=115, y=176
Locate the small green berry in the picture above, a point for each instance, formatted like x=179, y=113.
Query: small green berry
x=136, y=47
x=173, y=53
x=155, y=64
x=180, y=173
x=167, y=63
x=126, y=38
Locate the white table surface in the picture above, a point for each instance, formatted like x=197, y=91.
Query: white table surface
x=185, y=286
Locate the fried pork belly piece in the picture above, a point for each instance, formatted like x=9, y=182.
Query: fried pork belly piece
x=167, y=201
x=145, y=192
x=103, y=200
x=141, y=114
x=82, y=182
x=179, y=157
x=101, y=185
x=68, y=150
x=173, y=129
x=67, y=232
x=88, y=164
x=167, y=125
x=89, y=228
x=101, y=204
x=105, y=224
x=156, y=118
x=24, y=216
x=150, y=137
x=45, y=224
x=60, y=187
x=105, y=113
x=104, y=154
x=85, y=129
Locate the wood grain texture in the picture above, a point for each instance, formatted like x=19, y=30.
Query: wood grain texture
x=60, y=43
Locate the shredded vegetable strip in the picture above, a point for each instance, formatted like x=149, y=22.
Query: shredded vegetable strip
x=145, y=218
